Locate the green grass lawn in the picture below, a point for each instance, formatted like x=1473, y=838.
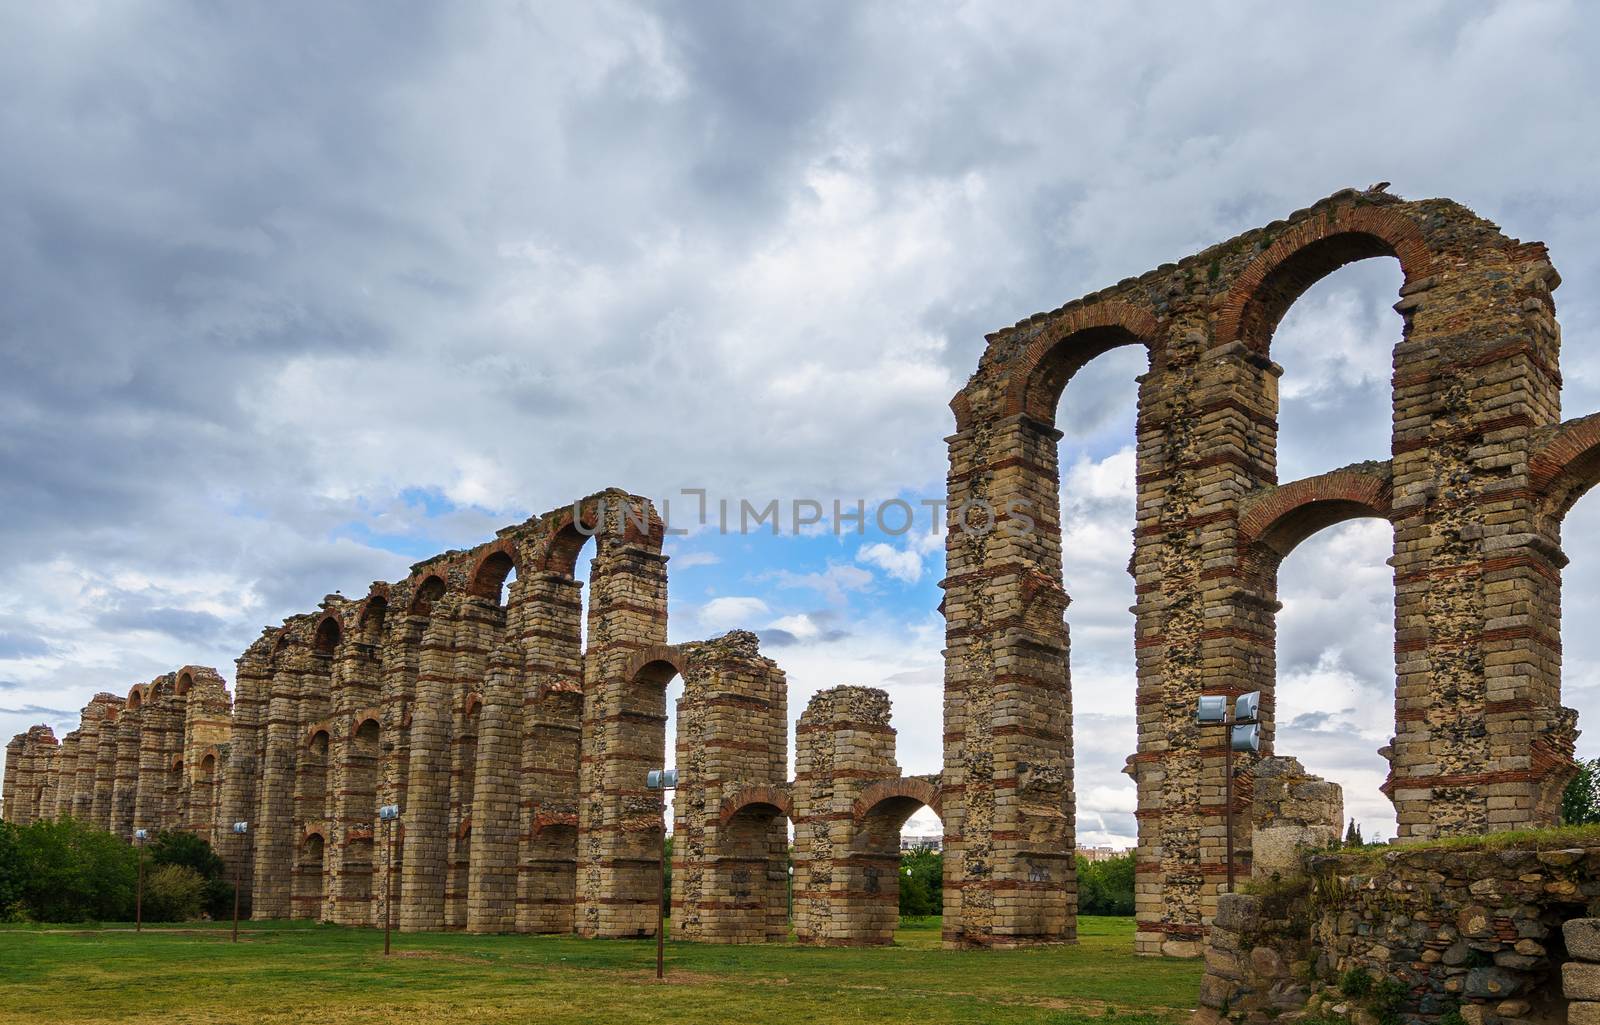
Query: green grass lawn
x=327, y=975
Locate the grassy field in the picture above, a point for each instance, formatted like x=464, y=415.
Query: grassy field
x=326, y=975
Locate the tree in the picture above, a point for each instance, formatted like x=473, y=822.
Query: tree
x=1580, y=802
x=73, y=872
x=1105, y=887
x=1352, y=836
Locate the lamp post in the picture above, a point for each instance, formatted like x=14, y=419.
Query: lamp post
x=139, y=837
x=662, y=780
x=239, y=830
x=389, y=813
x=1243, y=734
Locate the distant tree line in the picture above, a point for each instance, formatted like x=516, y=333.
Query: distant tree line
x=1105, y=887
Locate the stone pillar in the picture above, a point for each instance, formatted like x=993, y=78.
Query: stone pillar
x=8, y=796
x=125, y=786
x=1010, y=874
x=497, y=813
x=624, y=723
x=66, y=775
x=842, y=741
x=730, y=872
x=1481, y=740
x=426, y=813
x=355, y=852
x=273, y=823
x=105, y=769
x=546, y=613
x=481, y=627
x=245, y=761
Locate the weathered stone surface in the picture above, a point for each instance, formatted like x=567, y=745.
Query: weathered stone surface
x=1580, y=981
x=1582, y=937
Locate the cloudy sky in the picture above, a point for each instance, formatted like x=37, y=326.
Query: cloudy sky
x=292, y=295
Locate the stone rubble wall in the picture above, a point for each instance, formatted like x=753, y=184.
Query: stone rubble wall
x=1414, y=934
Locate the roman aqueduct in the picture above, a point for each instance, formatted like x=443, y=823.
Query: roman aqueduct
x=517, y=752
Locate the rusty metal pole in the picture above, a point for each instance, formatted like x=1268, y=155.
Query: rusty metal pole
x=1227, y=789
x=388, y=898
x=661, y=897
x=138, y=897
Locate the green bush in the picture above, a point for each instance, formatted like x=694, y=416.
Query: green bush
x=10, y=874
x=173, y=893
x=921, y=883
x=1105, y=887
x=67, y=871
x=1355, y=983
x=175, y=847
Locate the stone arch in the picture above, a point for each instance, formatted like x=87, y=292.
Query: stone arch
x=325, y=639
x=370, y=616
x=1309, y=251
x=1063, y=348
x=756, y=795
x=908, y=788
x=429, y=590
x=1281, y=518
x=491, y=569
x=663, y=662
x=184, y=683
x=136, y=696
x=1565, y=467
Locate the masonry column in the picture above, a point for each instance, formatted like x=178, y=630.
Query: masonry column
x=125, y=787
x=427, y=810
x=1010, y=875
x=246, y=755
x=1481, y=742
x=619, y=819
x=273, y=823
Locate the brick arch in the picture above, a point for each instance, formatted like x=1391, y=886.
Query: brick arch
x=919, y=790
x=184, y=683
x=364, y=716
x=1284, y=516
x=474, y=702
x=328, y=633
x=429, y=590
x=490, y=569
x=1065, y=345
x=755, y=794
x=137, y=696
x=1305, y=254
x=320, y=832
x=1566, y=466
x=668, y=654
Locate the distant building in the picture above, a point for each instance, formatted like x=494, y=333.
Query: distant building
x=1102, y=853
x=921, y=843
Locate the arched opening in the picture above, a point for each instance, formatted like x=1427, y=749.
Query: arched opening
x=1326, y=313
x=310, y=876
x=647, y=723
x=747, y=895
x=185, y=681
x=312, y=796
x=1097, y=416
x=360, y=793
x=326, y=638
x=877, y=871
x=203, y=795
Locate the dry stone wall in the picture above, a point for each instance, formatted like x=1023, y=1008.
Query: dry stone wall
x=1418, y=935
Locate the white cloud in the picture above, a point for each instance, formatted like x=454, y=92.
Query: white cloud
x=729, y=612
x=900, y=563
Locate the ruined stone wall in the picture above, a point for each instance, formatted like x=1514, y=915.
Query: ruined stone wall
x=849, y=804
x=1411, y=935
x=1481, y=471
x=1291, y=813
x=730, y=871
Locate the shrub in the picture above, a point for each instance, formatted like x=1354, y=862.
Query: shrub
x=10, y=874
x=1355, y=983
x=175, y=847
x=173, y=893
x=68, y=871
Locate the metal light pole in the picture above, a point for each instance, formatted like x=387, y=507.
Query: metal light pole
x=139, y=836
x=1244, y=734
x=389, y=813
x=240, y=829
x=662, y=780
